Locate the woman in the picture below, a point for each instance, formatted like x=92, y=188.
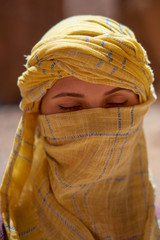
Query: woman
x=78, y=169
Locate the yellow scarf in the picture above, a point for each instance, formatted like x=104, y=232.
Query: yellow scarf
x=82, y=175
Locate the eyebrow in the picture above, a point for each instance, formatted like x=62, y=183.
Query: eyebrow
x=70, y=94
x=117, y=89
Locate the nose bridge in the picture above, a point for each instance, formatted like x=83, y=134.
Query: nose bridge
x=94, y=102
x=94, y=105
x=95, y=96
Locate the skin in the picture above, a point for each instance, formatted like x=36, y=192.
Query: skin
x=71, y=94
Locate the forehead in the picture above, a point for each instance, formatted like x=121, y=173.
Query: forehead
x=72, y=84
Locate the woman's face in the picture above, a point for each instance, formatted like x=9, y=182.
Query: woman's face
x=71, y=94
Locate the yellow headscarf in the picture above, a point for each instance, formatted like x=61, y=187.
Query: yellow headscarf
x=81, y=175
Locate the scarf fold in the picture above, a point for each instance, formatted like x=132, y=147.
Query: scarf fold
x=81, y=175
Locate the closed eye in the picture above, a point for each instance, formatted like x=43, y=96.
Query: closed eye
x=79, y=107
x=72, y=108
x=116, y=104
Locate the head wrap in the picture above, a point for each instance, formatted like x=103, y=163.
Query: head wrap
x=82, y=176
x=92, y=48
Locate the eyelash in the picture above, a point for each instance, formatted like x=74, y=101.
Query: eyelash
x=79, y=107
x=70, y=108
x=118, y=104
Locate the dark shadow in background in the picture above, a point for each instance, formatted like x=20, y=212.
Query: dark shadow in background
x=22, y=22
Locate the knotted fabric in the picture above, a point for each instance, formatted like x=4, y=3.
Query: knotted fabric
x=84, y=174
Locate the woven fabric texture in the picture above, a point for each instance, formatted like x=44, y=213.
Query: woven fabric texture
x=84, y=174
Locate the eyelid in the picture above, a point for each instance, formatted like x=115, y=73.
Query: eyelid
x=116, y=99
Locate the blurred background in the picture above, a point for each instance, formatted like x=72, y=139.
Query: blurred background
x=23, y=22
